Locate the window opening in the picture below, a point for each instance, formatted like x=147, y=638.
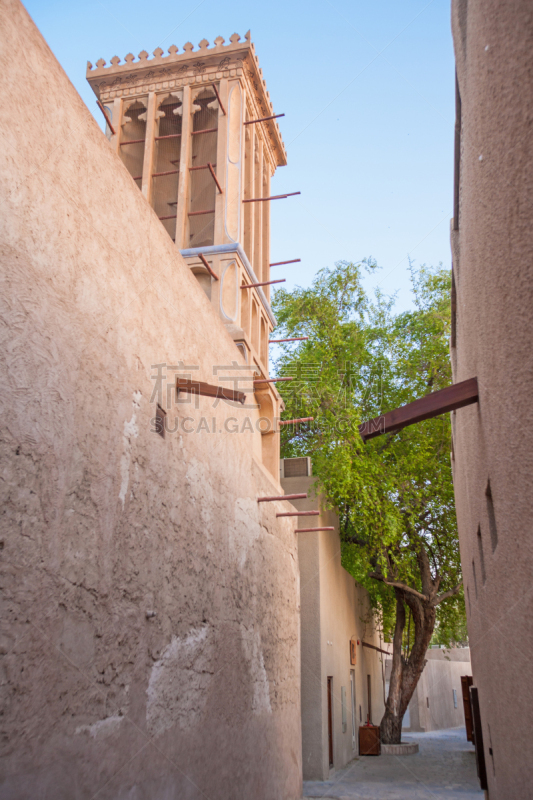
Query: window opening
x=330, y=720
x=343, y=709
x=296, y=467
x=481, y=557
x=160, y=416
x=245, y=310
x=133, y=136
x=492, y=518
x=203, y=189
x=166, y=160
x=264, y=343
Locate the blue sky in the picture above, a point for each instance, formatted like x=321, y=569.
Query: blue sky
x=368, y=93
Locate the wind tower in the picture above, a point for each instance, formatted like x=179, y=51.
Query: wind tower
x=198, y=134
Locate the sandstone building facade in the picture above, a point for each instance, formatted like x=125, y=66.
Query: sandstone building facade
x=492, y=336
x=150, y=622
x=342, y=668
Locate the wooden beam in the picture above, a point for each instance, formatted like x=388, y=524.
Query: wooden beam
x=212, y=171
x=203, y=259
x=282, y=497
x=456, y=396
x=308, y=530
x=104, y=112
x=293, y=339
x=263, y=283
x=292, y=261
x=219, y=100
x=274, y=197
x=373, y=647
x=293, y=421
x=263, y=119
x=299, y=514
x=207, y=390
x=271, y=380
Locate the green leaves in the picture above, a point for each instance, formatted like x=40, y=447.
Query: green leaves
x=394, y=494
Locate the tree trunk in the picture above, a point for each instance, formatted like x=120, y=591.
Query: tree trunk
x=406, y=672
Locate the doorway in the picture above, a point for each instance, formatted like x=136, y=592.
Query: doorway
x=352, y=690
x=330, y=720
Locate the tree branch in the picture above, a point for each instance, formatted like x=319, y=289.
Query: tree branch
x=447, y=594
x=398, y=585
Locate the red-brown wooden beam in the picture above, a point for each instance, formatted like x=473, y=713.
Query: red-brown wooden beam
x=274, y=197
x=170, y=172
x=294, y=338
x=263, y=119
x=292, y=421
x=219, y=100
x=272, y=380
x=263, y=283
x=205, y=130
x=133, y=141
x=104, y=112
x=282, y=497
x=452, y=397
x=207, y=390
x=206, y=265
x=169, y=216
x=373, y=647
x=299, y=514
x=199, y=213
x=309, y=530
x=212, y=171
x=279, y=263
x=168, y=136
x=201, y=166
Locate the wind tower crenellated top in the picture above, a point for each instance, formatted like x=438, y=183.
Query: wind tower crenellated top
x=190, y=67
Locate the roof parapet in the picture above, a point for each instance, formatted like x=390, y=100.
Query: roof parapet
x=239, y=55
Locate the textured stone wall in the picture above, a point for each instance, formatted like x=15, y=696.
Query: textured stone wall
x=150, y=628
x=493, y=440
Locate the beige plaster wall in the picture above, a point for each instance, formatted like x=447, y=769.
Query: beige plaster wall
x=493, y=440
x=432, y=705
x=334, y=609
x=105, y=523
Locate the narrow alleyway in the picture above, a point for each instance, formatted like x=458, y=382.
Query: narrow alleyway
x=444, y=769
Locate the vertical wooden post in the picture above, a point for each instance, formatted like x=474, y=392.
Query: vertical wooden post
x=265, y=271
x=248, y=192
x=220, y=169
x=258, y=207
x=149, y=147
x=182, y=220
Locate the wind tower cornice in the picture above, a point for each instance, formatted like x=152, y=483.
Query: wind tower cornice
x=191, y=67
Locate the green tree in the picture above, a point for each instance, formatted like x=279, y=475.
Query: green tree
x=394, y=494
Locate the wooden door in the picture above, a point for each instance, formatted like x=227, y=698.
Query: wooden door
x=466, y=683
x=330, y=720
x=478, y=738
x=352, y=694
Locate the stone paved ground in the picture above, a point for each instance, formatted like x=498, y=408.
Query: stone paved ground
x=444, y=769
